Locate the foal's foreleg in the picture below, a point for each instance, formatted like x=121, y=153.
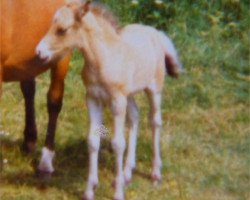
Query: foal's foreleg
x=156, y=122
x=30, y=131
x=95, y=115
x=119, y=104
x=132, y=116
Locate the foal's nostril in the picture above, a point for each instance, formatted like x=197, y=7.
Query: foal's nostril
x=41, y=57
x=38, y=53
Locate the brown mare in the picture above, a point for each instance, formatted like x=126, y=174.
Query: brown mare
x=23, y=24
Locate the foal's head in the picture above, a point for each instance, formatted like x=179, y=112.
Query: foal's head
x=64, y=32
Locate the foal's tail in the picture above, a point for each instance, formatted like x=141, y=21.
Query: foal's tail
x=172, y=62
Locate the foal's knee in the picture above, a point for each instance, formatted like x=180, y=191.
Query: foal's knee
x=118, y=144
x=93, y=143
x=155, y=119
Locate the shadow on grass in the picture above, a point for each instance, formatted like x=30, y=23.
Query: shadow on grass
x=7, y=143
x=70, y=162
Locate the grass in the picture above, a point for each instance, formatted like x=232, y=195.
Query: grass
x=205, y=135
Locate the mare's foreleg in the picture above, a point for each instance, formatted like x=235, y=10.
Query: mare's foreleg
x=95, y=115
x=1, y=79
x=132, y=116
x=54, y=105
x=30, y=131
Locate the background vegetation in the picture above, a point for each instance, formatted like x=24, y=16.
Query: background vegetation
x=205, y=134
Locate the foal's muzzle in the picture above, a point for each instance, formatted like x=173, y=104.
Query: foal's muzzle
x=43, y=52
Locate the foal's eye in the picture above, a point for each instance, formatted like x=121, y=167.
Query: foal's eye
x=60, y=31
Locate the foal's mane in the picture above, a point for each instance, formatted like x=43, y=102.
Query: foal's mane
x=104, y=13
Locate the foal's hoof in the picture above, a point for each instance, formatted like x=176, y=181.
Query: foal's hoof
x=88, y=196
x=118, y=197
x=43, y=175
x=28, y=147
x=127, y=178
x=85, y=198
x=156, y=179
x=127, y=182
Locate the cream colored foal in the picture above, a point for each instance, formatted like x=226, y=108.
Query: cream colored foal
x=118, y=64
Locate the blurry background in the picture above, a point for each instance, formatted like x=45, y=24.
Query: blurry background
x=205, y=134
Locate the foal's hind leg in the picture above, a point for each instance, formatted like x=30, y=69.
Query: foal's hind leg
x=54, y=105
x=95, y=115
x=156, y=122
x=30, y=131
x=132, y=115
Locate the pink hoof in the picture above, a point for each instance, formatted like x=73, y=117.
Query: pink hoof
x=156, y=178
x=88, y=196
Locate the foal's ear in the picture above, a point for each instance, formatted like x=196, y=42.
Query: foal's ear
x=82, y=10
x=86, y=6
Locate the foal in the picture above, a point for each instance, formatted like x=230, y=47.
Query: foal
x=118, y=65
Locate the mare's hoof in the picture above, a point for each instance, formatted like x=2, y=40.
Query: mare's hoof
x=28, y=147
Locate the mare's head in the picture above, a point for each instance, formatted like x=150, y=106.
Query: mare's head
x=64, y=32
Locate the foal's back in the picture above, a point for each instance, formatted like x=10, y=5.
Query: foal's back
x=146, y=52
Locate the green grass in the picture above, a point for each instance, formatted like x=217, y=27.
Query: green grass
x=205, y=135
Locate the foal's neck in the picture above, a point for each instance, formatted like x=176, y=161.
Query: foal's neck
x=98, y=27
x=100, y=40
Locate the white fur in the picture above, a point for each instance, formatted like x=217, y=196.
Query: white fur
x=73, y=1
x=132, y=113
x=45, y=164
x=118, y=108
x=95, y=115
x=156, y=122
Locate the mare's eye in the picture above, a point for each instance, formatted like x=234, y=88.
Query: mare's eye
x=61, y=31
